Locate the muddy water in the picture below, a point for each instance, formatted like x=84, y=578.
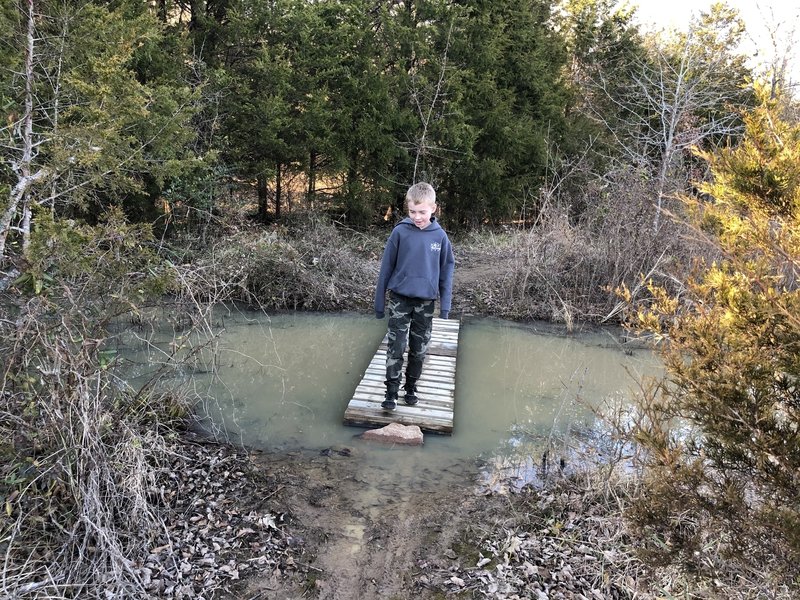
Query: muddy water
x=283, y=382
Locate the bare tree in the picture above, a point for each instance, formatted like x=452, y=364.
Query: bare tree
x=426, y=107
x=683, y=94
x=19, y=203
x=782, y=58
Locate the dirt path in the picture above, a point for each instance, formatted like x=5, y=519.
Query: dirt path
x=366, y=534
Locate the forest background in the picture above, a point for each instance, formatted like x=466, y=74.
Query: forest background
x=255, y=150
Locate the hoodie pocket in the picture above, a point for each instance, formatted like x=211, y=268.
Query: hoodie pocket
x=417, y=287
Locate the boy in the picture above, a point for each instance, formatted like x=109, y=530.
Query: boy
x=417, y=267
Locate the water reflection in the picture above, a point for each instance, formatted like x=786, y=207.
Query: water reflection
x=538, y=381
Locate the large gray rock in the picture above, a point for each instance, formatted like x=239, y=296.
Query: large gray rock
x=395, y=433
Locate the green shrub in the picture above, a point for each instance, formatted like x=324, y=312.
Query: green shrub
x=723, y=432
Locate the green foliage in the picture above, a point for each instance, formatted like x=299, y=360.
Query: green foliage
x=110, y=108
x=125, y=131
x=724, y=432
x=9, y=57
x=512, y=103
x=761, y=177
x=340, y=105
x=604, y=45
x=366, y=99
x=113, y=262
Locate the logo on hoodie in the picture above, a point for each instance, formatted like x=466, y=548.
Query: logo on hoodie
x=436, y=247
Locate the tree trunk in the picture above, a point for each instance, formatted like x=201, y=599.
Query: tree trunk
x=263, y=207
x=312, y=179
x=196, y=11
x=23, y=168
x=162, y=10
x=26, y=224
x=661, y=186
x=278, y=190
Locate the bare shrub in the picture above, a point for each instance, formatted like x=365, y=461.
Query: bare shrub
x=82, y=474
x=565, y=268
x=90, y=464
x=312, y=265
x=80, y=468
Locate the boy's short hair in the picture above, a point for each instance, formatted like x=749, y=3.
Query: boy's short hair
x=421, y=193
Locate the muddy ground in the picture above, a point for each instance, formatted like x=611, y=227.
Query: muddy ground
x=363, y=534
x=356, y=531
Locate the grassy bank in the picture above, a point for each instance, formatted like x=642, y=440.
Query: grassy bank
x=557, y=270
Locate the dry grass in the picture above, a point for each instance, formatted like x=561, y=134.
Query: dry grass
x=559, y=269
x=308, y=266
x=88, y=476
x=567, y=269
x=80, y=469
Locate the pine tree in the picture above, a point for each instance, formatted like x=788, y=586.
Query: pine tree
x=512, y=100
x=724, y=433
x=94, y=121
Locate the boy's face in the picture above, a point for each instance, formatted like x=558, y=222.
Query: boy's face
x=421, y=213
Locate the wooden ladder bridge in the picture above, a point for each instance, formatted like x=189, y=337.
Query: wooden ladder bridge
x=436, y=387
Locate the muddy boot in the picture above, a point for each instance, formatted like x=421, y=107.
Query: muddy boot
x=390, y=402
x=411, y=392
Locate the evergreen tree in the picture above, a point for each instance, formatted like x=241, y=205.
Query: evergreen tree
x=724, y=433
x=370, y=97
x=366, y=103
x=97, y=123
x=418, y=38
x=256, y=89
x=306, y=92
x=603, y=45
x=318, y=36
x=512, y=100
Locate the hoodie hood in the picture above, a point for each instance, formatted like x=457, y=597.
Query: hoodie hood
x=432, y=226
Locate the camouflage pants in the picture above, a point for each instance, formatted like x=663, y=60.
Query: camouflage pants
x=410, y=321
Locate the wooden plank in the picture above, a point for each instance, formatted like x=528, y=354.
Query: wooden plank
x=432, y=373
x=442, y=414
x=425, y=391
x=428, y=387
x=443, y=384
x=436, y=387
x=431, y=403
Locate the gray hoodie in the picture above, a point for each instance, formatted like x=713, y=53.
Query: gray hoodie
x=417, y=263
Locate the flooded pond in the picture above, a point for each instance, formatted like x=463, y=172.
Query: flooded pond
x=282, y=382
